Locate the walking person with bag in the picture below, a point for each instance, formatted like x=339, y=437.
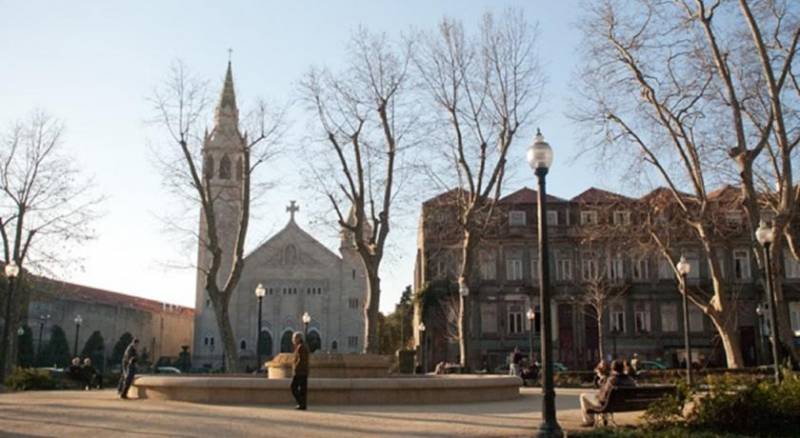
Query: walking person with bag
x=300, y=368
x=128, y=369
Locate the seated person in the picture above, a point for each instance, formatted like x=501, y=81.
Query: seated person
x=74, y=369
x=440, y=368
x=530, y=372
x=91, y=376
x=618, y=378
x=600, y=373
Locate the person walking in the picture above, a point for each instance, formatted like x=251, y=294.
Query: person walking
x=300, y=368
x=514, y=368
x=128, y=369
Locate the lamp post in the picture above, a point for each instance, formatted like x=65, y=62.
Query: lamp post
x=761, y=311
x=765, y=236
x=421, y=328
x=260, y=292
x=684, y=268
x=531, y=318
x=540, y=158
x=78, y=322
x=42, y=322
x=306, y=321
x=11, y=271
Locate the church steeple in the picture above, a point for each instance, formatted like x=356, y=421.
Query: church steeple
x=227, y=112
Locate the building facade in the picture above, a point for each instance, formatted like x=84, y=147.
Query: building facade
x=162, y=328
x=298, y=272
x=593, y=242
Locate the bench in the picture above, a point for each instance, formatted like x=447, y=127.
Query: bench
x=633, y=398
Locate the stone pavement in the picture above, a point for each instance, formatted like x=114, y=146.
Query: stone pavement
x=97, y=414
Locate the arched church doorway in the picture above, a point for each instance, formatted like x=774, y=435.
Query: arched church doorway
x=314, y=341
x=265, y=343
x=286, y=342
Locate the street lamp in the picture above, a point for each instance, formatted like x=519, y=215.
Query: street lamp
x=421, y=328
x=78, y=322
x=540, y=158
x=531, y=318
x=20, y=331
x=306, y=321
x=42, y=321
x=765, y=236
x=11, y=271
x=260, y=292
x=684, y=268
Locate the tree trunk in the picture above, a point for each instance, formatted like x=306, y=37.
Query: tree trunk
x=600, y=338
x=222, y=313
x=464, y=332
x=371, y=340
x=728, y=331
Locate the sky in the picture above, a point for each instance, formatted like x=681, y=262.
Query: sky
x=93, y=64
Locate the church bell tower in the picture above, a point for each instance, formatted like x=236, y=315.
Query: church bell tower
x=223, y=161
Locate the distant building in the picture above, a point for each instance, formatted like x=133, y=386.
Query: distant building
x=162, y=328
x=299, y=273
x=645, y=319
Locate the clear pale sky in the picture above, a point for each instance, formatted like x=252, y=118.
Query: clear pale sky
x=93, y=64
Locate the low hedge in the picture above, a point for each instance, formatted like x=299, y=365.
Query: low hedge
x=24, y=379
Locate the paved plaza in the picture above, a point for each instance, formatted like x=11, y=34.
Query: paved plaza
x=100, y=413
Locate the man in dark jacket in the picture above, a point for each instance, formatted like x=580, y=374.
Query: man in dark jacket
x=618, y=378
x=300, y=369
x=128, y=369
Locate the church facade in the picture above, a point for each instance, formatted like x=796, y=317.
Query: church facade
x=298, y=272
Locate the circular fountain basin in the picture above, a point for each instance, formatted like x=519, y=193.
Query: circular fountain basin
x=427, y=389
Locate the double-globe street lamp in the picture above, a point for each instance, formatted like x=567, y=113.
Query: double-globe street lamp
x=684, y=268
x=11, y=271
x=78, y=322
x=260, y=292
x=540, y=158
x=765, y=236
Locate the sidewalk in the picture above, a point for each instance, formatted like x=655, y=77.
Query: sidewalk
x=100, y=413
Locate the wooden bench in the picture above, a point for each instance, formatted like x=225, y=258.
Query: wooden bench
x=633, y=398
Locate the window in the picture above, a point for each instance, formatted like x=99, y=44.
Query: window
x=353, y=303
x=243, y=345
x=514, y=269
x=489, y=317
x=211, y=341
x=205, y=340
x=665, y=271
x=790, y=265
x=209, y=170
x=741, y=264
x=488, y=265
x=208, y=302
x=564, y=269
x=617, y=318
x=640, y=271
x=641, y=317
x=534, y=266
x=225, y=168
x=516, y=321
x=721, y=266
x=588, y=266
x=354, y=274
x=552, y=218
x=794, y=316
x=588, y=218
x=615, y=268
x=622, y=217
x=352, y=341
x=516, y=218
x=733, y=219
x=695, y=319
x=669, y=317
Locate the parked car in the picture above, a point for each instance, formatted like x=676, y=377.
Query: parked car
x=645, y=365
x=559, y=367
x=167, y=370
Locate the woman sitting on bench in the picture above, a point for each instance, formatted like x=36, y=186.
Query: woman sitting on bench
x=618, y=378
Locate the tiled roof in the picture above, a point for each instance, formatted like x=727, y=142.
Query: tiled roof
x=527, y=195
x=595, y=195
x=86, y=294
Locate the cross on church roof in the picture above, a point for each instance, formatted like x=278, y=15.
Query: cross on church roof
x=292, y=208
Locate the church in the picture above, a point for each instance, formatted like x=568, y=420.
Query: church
x=300, y=274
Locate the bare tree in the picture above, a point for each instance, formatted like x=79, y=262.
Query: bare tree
x=681, y=83
x=46, y=207
x=366, y=118
x=596, y=293
x=483, y=89
x=180, y=107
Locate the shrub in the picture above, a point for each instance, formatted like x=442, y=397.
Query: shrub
x=23, y=379
x=56, y=352
x=668, y=411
